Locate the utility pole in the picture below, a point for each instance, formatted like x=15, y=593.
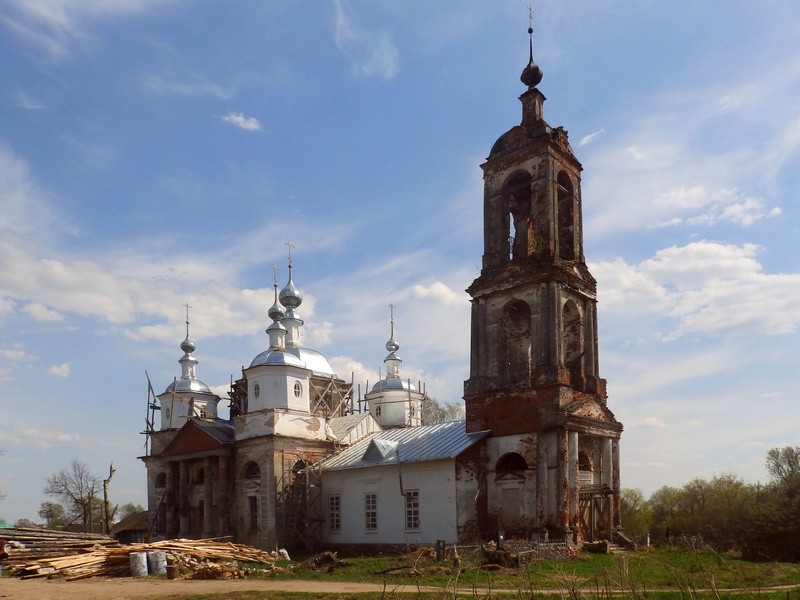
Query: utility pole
x=106, y=508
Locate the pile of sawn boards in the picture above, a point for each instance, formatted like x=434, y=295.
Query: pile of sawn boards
x=79, y=556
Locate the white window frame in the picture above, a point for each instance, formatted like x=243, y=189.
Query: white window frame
x=335, y=513
x=411, y=505
x=371, y=512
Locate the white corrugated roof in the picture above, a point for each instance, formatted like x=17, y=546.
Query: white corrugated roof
x=413, y=444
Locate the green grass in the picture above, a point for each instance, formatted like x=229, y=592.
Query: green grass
x=656, y=569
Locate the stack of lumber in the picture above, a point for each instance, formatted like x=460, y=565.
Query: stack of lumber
x=115, y=561
x=39, y=544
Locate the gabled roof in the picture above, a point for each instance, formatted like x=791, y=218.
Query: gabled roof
x=411, y=444
x=200, y=435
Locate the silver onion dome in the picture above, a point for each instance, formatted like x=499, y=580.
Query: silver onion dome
x=290, y=296
x=392, y=345
x=188, y=346
x=276, y=312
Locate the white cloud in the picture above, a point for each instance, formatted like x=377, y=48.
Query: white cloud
x=242, y=122
x=754, y=445
x=41, y=313
x=40, y=438
x=62, y=370
x=654, y=422
x=373, y=54
x=16, y=355
x=706, y=287
x=588, y=139
x=439, y=292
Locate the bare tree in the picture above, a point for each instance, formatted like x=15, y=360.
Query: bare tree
x=76, y=487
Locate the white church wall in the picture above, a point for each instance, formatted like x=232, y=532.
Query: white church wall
x=281, y=422
x=277, y=387
x=435, y=482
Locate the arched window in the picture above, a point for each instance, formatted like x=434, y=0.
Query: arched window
x=252, y=471
x=517, y=341
x=517, y=193
x=585, y=469
x=299, y=466
x=378, y=410
x=510, y=463
x=161, y=480
x=566, y=217
x=572, y=338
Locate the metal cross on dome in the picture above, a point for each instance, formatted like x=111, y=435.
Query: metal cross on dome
x=187, y=306
x=275, y=273
x=290, y=246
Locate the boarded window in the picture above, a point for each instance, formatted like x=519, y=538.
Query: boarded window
x=252, y=512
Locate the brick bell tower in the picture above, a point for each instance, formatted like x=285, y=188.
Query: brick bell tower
x=553, y=452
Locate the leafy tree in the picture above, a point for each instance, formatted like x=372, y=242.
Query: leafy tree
x=77, y=488
x=26, y=523
x=784, y=463
x=433, y=412
x=635, y=513
x=54, y=515
x=128, y=509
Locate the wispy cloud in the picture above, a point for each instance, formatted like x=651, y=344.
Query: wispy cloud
x=372, y=53
x=55, y=25
x=24, y=101
x=588, y=139
x=160, y=85
x=242, y=122
x=668, y=165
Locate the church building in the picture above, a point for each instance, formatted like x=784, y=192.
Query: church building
x=300, y=463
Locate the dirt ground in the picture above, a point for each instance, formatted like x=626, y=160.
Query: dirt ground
x=128, y=588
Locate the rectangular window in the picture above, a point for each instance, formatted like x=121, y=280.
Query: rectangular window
x=252, y=512
x=335, y=512
x=371, y=512
x=412, y=509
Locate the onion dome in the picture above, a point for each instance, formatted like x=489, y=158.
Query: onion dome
x=532, y=73
x=188, y=346
x=392, y=345
x=290, y=296
x=276, y=312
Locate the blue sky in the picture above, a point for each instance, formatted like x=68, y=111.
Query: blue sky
x=159, y=152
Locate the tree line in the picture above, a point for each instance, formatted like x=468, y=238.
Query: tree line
x=762, y=521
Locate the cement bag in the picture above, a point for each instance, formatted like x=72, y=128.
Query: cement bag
x=138, y=564
x=157, y=562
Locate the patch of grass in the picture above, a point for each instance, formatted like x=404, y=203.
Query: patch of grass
x=645, y=571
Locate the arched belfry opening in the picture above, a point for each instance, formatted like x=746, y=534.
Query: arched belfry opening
x=517, y=194
x=510, y=463
x=566, y=217
x=517, y=336
x=572, y=339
